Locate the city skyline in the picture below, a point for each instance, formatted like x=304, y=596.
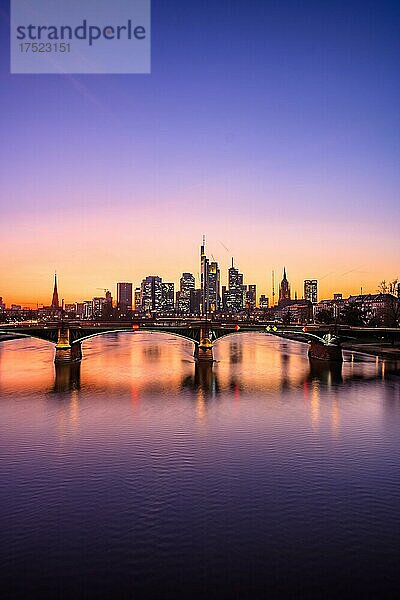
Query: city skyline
x=226, y=281
x=285, y=152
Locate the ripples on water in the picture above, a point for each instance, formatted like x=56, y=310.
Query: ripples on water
x=136, y=474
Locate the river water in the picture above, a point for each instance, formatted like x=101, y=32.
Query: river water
x=136, y=474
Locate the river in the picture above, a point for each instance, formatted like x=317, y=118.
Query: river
x=137, y=474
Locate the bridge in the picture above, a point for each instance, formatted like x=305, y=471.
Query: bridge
x=325, y=341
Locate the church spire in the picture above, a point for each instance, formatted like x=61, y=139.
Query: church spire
x=55, y=302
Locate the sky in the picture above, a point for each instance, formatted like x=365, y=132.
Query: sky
x=272, y=127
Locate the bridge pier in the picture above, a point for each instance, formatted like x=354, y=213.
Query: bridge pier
x=203, y=352
x=325, y=352
x=65, y=351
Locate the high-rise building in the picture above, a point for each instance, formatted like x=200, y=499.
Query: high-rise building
x=124, y=296
x=152, y=294
x=210, y=283
x=214, y=282
x=55, y=302
x=2, y=304
x=311, y=290
x=87, y=309
x=168, y=297
x=284, y=288
x=234, y=294
x=98, y=305
x=251, y=297
x=264, y=302
x=138, y=299
x=196, y=297
x=187, y=284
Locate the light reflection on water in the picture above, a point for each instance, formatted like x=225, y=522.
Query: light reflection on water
x=137, y=469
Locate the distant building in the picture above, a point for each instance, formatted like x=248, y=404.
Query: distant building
x=210, y=283
x=124, y=297
x=152, y=294
x=138, y=299
x=284, y=289
x=251, y=297
x=186, y=285
x=70, y=310
x=311, y=290
x=55, y=301
x=338, y=296
x=264, y=302
x=168, y=297
x=2, y=304
x=80, y=309
x=98, y=305
x=233, y=298
x=87, y=309
x=196, y=297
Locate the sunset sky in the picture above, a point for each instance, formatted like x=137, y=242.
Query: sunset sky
x=271, y=127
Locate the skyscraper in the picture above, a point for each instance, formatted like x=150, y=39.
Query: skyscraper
x=168, y=297
x=55, y=302
x=251, y=297
x=234, y=293
x=311, y=290
x=124, y=296
x=187, y=283
x=210, y=283
x=284, y=288
x=152, y=293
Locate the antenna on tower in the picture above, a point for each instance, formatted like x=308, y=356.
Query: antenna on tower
x=273, y=287
x=232, y=262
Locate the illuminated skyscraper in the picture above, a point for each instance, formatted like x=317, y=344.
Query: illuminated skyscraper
x=187, y=283
x=124, y=296
x=152, y=293
x=311, y=290
x=168, y=297
x=210, y=283
x=234, y=293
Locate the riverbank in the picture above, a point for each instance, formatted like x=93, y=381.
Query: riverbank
x=386, y=351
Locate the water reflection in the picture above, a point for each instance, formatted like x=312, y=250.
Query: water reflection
x=138, y=464
x=67, y=377
x=147, y=365
x=326, y=373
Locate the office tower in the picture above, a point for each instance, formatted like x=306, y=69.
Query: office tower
x=196, y=298
x=187, y=284
x=55, y=302
x=264, y=302
x=2, y=304
x=168, y=297
x=138, y=299
x=284, y=288
x=311, y=290
x=151, y=291
x=98, y=305
x=109, y=299
x=214, y=281
x=210, y=283
x=235, y=291
x=124, y=297
x=251, y=297
x=87, y=309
